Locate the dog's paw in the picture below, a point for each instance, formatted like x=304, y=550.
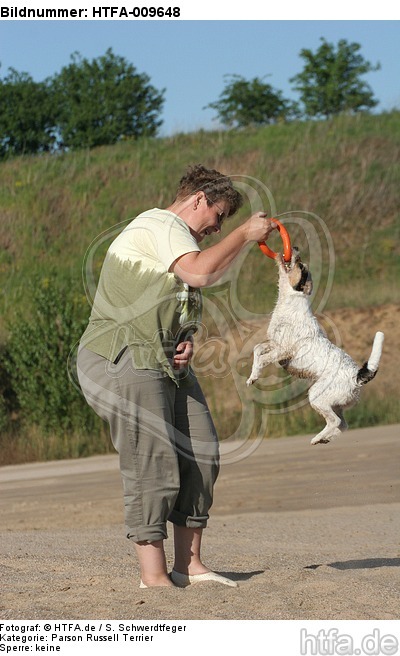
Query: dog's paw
x=250, y=381
x=320, y=440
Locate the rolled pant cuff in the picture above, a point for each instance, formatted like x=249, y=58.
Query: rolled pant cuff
x=180, y=519
x=152, y=533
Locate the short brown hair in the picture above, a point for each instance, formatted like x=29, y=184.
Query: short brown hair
x=214, y=184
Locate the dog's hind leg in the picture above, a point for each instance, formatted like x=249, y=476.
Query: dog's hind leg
x=338, y=410
x=321, y=401
x=332, y=428
x=264, y=354
x=335, y=423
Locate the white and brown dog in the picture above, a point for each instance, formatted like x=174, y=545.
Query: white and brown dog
x=296, y=341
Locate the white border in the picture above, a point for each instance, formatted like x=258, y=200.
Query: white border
x=211, y=10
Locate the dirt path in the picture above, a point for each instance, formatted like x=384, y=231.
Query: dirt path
x=308, y=533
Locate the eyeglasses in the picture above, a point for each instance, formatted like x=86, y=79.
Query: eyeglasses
x=221, y=214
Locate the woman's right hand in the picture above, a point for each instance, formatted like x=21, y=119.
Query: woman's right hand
x=258, y=227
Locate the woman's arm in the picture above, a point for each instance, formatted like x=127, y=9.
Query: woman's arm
x=200, y=269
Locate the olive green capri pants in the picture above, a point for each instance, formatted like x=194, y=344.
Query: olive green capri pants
x=165, y=438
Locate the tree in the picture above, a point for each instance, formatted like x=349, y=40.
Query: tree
x=251, y=102
x=331, y=83
x=26, y=115
x=104, y=100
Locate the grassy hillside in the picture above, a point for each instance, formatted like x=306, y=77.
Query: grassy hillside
x=340, y=176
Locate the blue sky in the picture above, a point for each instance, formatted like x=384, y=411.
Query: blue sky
x=190, y=58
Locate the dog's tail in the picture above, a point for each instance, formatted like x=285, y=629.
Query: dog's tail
x=369, y=369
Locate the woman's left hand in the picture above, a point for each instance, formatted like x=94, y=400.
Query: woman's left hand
x=183, y=354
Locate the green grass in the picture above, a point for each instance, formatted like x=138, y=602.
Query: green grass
x=345, y=171
x=341, y=176
x=30, y=444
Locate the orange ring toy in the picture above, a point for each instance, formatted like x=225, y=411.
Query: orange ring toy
x=287, y=247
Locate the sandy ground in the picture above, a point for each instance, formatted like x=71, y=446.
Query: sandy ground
x=307, y=532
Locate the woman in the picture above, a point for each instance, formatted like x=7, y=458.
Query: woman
x=133, y=367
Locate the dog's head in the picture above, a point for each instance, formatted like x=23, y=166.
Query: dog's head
x=296, y=273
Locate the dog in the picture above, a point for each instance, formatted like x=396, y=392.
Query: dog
x=296, y=341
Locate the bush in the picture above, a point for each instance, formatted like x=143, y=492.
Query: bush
x=38, y=355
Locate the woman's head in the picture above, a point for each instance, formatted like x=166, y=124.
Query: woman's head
x=215, y=186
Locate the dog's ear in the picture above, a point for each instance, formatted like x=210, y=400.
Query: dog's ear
x=300, y=279
x=308, y=287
